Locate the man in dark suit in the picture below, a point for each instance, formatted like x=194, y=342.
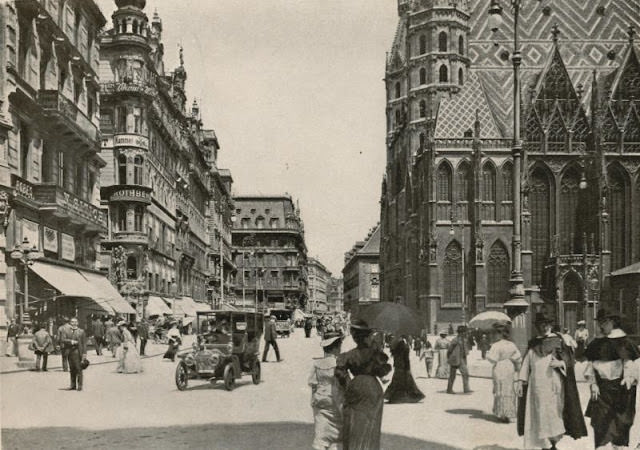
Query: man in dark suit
x=98, y=334
x=270, y=336
x=63, y=333
x=76, y=344
x=143, y=334
x=457, y=359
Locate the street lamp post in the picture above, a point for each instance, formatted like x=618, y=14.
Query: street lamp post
x=26, y=255
x=452, y=232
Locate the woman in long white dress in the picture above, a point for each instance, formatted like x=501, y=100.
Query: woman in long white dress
x=506, y=360
x=634, y=433
x=127, y=353
x=442, y=344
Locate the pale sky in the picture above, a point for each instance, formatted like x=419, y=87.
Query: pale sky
x=294, y=90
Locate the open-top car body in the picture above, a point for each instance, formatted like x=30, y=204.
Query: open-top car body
x=227, y=347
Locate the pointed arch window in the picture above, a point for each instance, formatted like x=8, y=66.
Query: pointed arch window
x=422, y=43
x=442, y=41
x=423, y=76
x=462, y=189
x=541, y=219
x=498, y=273
x=617, y=218
x=461, y=45
x=452, y=275
x=569, y=197
x=444, y=74
x=122, y=169
x=488, y=192
x=460, y=76
x=397, y=90
x=423, y=109
x=443, y=191
x=507, y=192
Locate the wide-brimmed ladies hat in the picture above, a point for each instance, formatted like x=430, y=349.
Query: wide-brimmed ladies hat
x=330, y=337
x=581, y=322
x=360, y=324
x=121, y=323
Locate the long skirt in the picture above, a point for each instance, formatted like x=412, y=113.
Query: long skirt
x=328, y=428
x=613, y=413
x=504, y=397
x=443, y=366
x=364, y=400
x=129, y=359
x=171, y=351
x=403, y=388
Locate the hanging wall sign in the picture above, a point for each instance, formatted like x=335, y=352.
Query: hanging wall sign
x=68, y=247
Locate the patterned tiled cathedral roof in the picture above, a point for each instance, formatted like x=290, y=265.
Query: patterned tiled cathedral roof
x=592, y=36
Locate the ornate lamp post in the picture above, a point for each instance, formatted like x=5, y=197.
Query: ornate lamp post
x=26, y=254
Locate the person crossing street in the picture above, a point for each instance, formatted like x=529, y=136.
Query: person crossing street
x=270, y=339
x=76, y=346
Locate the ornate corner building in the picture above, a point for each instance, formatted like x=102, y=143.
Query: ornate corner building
x=269, y=252
x=160, y=168
x=447, y=194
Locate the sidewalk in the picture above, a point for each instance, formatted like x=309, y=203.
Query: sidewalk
x=9, y=364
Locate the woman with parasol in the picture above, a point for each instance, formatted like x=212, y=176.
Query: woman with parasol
x=357, y=372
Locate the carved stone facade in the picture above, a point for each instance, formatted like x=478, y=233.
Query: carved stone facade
x=447, y=191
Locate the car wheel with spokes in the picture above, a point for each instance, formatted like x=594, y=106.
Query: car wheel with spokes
x=229, y=380
x=182, y=376
x=255, y=373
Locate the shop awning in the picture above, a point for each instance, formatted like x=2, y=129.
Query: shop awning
x=71, y=283
x=156, y=307
x=108, y=293
x=633, y=269
x=199, y=306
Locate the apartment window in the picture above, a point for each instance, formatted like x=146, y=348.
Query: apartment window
x=121, y=119
x=122, y=169
x=137, y=120
x=138, y=218
x=132, y=268
x=79, y=177
x=61, y=173
x=137, y=170
x=121, y=217
x=25, y=144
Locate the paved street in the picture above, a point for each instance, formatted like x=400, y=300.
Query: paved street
x=147, y=411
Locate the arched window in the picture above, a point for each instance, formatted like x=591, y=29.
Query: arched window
x=260, y=222
x=275, y=223
x=122, y=169
x=137, y=170
x=460, y=76
x=573, y=300
x=443, y=191
x=461, y=45
x=462, y=182
x=507, y=192
x=423, y=76
x=132, y=268
x=442, y=41
x=498, y=273
x=397, y=90
x=617, y=218
x=569, y=196
x=138, y=218
x=489, y=192
x=422, y=43
x=423, y=108
x=444, y=74
x=540, y=205
x=452, y=275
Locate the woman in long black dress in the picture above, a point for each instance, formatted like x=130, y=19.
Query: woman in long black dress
x=357, y=371
x=403, y=388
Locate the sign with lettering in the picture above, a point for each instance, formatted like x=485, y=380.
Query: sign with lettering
x=68, y=247
x=131, y=140
x=23, y=188
x=82, y=208
x=132, y=195
x=50, y=239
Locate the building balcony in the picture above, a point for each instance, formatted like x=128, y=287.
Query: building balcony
x=130, y=140
x=127, y=237
x=51, y=198
x=67, y=119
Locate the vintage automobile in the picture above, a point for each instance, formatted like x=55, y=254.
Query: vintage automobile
x=284, y=321
x=227, y=347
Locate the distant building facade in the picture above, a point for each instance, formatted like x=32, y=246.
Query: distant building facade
x=269, y=252
x=447, y=195
x=157, y=179
x=49, y=159
x=361, y=272
x=335, y=295
x=319, y=278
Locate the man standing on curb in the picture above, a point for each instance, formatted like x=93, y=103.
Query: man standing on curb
x=457, y=359
x=76, y=345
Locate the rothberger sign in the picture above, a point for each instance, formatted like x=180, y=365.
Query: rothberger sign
x=131, y=194
x=131, y=140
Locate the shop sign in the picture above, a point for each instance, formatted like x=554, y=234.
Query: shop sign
x=31, y=231
x=22, y=187
x=132, y=194
x=82, y=208
x=50, y=239
x=68, y=247
x=131, y=140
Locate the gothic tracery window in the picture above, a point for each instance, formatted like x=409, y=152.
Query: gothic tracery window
x=442, y=41
x=444, y=74
x=569, y=197
x=423, y=76
x=507, y=191
x=443, y=190
x=498, y=272
x=452, y=275
x=489, y=192
x=540, y=206
x=617, y=218
x=461, y=45
x=423, y=109
x=422, y=44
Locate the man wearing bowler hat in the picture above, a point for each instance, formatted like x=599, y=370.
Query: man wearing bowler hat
x=612, y=382
x=457, y=359
x=270, y=336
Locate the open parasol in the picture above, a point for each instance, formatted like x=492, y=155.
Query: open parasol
x=486, y=319
x=393, y=318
